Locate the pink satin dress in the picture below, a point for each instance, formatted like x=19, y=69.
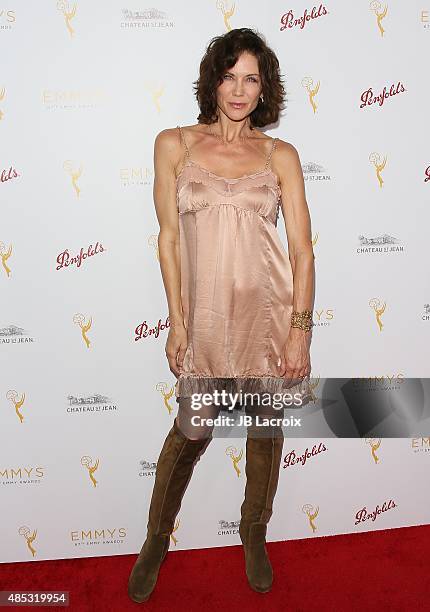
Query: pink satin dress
x=236, y=282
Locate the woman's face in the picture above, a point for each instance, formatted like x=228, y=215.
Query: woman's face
x=241, y=84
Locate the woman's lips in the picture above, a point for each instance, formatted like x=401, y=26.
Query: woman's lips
x=237, y=104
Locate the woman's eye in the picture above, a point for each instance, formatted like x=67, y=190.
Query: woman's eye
x=253, y=79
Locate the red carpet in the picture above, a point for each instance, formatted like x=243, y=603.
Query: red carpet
x=383, y=570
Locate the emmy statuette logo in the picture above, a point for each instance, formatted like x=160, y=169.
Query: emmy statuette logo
x=29, y=537
x=5, y=254
x=374, y=444
x=227, y=13
x=308, y=84
x=375, y=159
x=235, y=456
x=156, y=91
x=74, y=175
x=12, y=396
x=380, y=14
x=379, y=310
x=79, y=319
x=86, y=462
x=311, y=513
x=167, y=394
x=68, y=14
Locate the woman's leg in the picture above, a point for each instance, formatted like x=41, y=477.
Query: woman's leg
x=193, y=421
x=263, y=458
x=175, y=466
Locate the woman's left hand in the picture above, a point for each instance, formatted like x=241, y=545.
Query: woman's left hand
x=295, y=361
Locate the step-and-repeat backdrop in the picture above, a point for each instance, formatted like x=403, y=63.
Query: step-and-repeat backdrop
x=86, y=394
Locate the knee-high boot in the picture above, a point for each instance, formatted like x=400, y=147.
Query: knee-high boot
x=174, y=468
x=263, y=457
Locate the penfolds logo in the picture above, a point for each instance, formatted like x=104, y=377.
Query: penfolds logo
x=7, y=175
x=143, y=330
x=64, y=259
x=368, y=97
x=292, y=459
x=427, y=173
x=288, y=20
x=363, y=514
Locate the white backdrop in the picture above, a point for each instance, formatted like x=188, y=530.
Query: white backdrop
x=85, y=389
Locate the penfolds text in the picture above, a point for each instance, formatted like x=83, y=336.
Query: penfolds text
x=288, y=20
x=64, y=259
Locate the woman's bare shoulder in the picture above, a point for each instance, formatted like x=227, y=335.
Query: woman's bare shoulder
x=170, y=137
x=286, y=161
x=286, y=150
x=167, y=136
x=168, y=145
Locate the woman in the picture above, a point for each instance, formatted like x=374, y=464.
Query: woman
x=239, y=306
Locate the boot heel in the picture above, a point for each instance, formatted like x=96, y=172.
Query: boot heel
x=257, y=563
x=144, y=574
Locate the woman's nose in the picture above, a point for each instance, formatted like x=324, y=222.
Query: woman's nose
x=238, y=87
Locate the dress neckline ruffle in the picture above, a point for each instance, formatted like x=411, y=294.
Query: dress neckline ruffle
x=224, y=178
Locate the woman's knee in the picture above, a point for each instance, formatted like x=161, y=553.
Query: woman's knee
x=192, y=432
x=196, y=424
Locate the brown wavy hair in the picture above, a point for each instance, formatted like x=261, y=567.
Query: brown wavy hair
x=221, y=54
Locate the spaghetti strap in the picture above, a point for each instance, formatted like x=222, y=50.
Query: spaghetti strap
x=187, y=152
x=271, y=152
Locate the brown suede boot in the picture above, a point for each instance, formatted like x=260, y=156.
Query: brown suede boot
x=174, y=468
x=263, y=458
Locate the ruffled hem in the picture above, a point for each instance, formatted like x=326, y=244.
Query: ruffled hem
x=187, y=385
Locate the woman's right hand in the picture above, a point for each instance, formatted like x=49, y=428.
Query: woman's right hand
x=176, y=345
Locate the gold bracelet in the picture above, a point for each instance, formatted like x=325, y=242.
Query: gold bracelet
x=302, y=320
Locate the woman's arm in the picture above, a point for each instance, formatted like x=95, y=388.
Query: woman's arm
x=167, y=152
x=295, y=210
